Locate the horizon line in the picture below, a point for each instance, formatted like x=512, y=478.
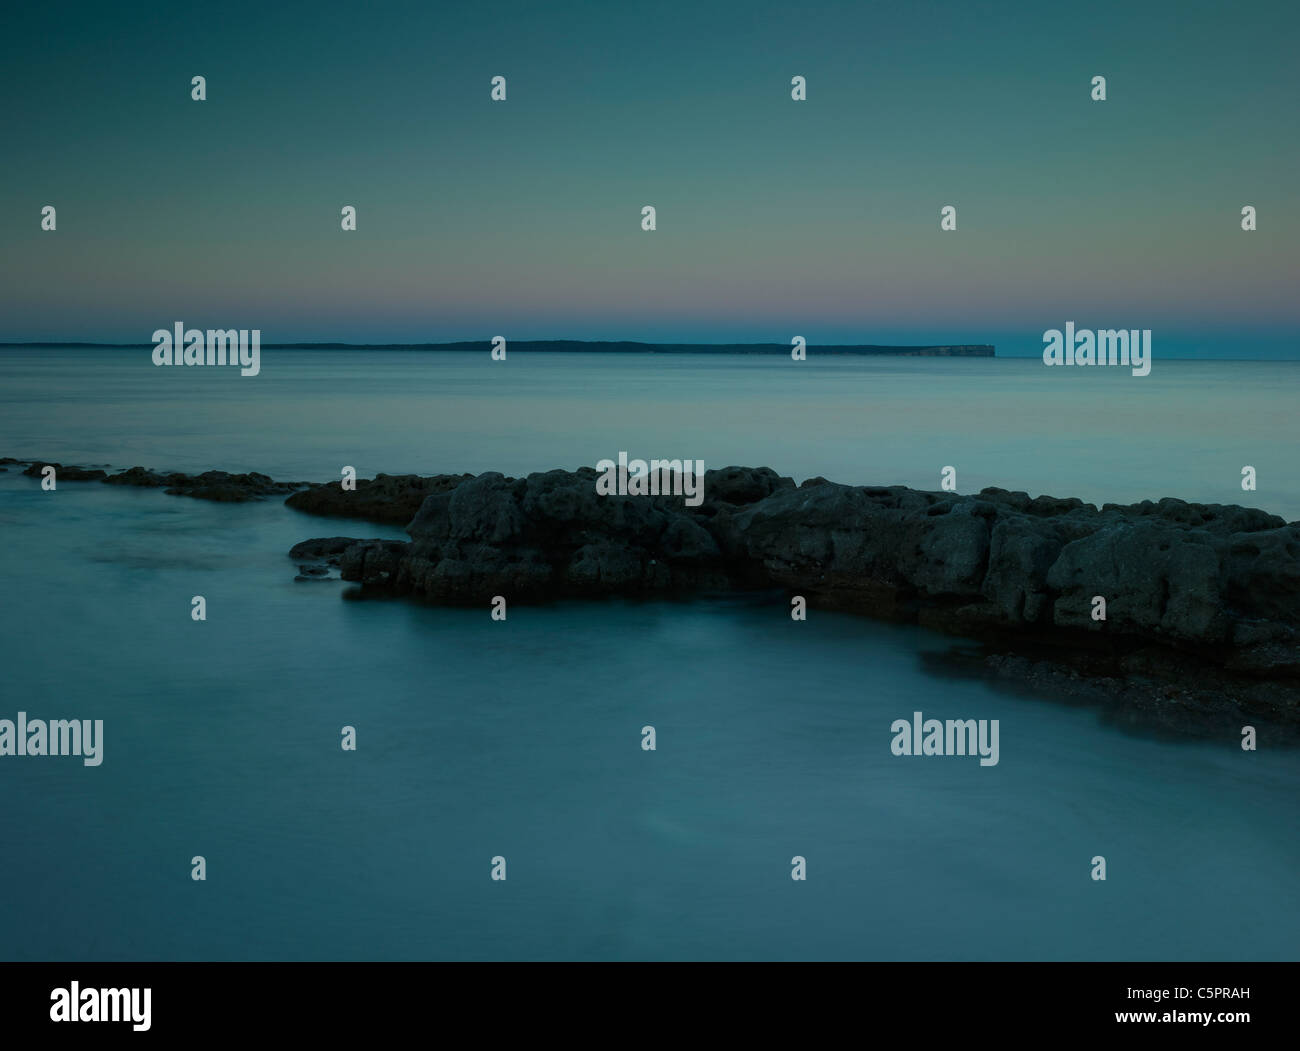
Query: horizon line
x=589, y=345
x=966, y=350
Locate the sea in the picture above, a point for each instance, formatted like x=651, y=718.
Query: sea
x=516, y=747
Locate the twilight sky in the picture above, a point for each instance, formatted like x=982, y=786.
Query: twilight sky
x=775, y=217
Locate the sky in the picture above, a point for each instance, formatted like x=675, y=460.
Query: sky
x=774, y=217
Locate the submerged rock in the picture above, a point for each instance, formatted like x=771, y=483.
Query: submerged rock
x=210, y=485
x=65, y=473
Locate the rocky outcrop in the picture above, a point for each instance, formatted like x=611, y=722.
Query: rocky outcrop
x=1191, y=605
x=1177, y=572
x=1210, y=579
x=551, y=535
x=1144, y=591
x=210, y=485
x=220, y=486
x=392, y=498
x=320, y=559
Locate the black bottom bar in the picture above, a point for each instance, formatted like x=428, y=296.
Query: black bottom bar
x=488, y=1001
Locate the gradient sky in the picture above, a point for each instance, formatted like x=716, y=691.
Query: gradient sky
x=775, y=218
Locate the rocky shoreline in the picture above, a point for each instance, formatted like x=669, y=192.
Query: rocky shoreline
x=1201, y=602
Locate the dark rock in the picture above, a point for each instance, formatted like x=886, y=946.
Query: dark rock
x=331, y=547
x=389, y=498
x=228, y=488
x=142, y=477
x=1202, y=600
x=551, y=535
x=1203, y=586
x=65, y=474
x=743, y=485
x=1020, y=555
x=220, y=486
x=1157, y=582
x=373, y=561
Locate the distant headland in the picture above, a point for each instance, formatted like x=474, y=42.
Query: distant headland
x=572, y=346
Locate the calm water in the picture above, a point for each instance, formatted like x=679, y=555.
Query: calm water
x=523, y=739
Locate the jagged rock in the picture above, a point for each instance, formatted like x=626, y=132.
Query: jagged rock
x=1205, y=586
x=1020, y=555
x=388, y=498
x=372, y=561
x=1170, y=571
x=1200, y=592
x=743, y=485
x=229, y=488
x=141, y=476
x=1156, y=579
x=329, y=548
x=550, y=535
